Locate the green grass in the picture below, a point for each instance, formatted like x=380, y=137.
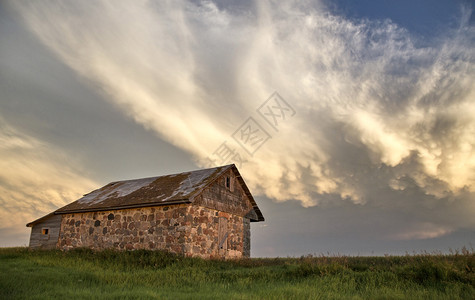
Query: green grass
x=85, y=274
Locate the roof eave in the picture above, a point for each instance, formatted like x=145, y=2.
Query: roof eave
x=260, y=216
x=173, y=202
x=39, y=219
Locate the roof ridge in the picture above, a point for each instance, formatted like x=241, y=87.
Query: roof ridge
x=196, y=170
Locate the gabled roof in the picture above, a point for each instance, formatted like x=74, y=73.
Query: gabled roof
x=153, y=191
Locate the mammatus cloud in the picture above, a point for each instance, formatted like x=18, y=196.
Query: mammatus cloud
x=35, y=179
x=380, y=120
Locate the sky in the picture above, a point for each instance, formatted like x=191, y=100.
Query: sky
x=352, y=122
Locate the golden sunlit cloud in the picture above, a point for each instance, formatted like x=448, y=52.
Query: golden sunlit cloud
x=35, y=178
x=152, y=71
x=367, y=99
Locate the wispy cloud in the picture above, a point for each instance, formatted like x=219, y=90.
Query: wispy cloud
x=423, y=231
x=378, y=117
x=35, y=179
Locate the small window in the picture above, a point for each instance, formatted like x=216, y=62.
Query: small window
x=45, y=231
x=228, y=182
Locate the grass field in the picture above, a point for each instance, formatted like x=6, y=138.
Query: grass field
x=84, y=274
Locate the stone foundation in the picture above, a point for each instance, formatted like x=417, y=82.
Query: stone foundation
x=186, y=229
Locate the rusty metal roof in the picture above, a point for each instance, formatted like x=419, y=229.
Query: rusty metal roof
x=143, y=192
x=153, y=191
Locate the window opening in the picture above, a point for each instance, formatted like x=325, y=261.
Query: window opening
x=45, y=231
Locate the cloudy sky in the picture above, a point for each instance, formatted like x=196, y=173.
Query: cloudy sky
x=352, y=124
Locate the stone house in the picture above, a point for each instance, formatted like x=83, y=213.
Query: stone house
x=204, y=213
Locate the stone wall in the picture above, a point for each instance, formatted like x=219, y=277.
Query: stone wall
x=246, y=238
x=188, y=229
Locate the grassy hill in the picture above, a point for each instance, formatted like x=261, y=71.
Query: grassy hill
x=85, y=274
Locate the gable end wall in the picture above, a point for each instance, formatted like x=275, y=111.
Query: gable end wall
x=231, y=200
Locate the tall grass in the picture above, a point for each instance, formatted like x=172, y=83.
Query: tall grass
x=108, y=274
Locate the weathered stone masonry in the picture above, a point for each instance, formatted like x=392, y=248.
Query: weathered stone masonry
x=187, y=229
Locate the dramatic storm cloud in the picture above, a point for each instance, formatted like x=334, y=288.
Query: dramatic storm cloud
x=382, y=118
